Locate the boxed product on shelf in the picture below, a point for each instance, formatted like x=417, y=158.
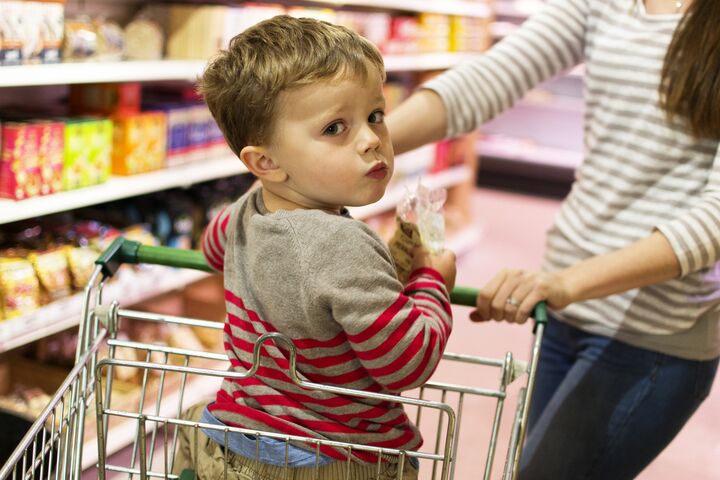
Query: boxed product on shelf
x=20, y=170
x=375, y=26
x=434, y=32
x=11, y=32
x=469, y=34
x=405, y=34
x=88, y=151
x=43, y=24
x=51, y=148
x=139, y=143
x=105, y=99
x=195, y=31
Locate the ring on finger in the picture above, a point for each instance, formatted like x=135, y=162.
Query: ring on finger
x=512, y=301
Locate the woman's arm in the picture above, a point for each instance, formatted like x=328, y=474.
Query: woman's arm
x=466, y=96
x=420, y=119
x=645, y=262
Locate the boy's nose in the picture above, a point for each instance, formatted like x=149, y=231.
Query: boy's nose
x=369, y=140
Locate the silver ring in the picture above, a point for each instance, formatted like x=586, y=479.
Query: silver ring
x=512, y=301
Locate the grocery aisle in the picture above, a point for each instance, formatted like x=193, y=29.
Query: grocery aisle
x=512, y=236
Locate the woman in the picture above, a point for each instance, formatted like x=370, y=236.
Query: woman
x=632, y=347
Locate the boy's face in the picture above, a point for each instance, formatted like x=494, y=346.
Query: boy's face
x=331, y=140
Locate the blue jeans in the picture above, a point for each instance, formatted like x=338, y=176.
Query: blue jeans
x=603, y=409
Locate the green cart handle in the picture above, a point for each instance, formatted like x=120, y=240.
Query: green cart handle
x=123, y=251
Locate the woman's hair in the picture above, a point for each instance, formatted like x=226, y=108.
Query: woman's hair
x=690, y=79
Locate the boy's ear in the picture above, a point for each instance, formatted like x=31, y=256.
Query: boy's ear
x=260, y=164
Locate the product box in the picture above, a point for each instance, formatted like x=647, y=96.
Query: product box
x=51, y=149
x=20, y=173
x=139, y=143
x=11, y=32
x=195, y=32
x=88, y=151
x=107, y=99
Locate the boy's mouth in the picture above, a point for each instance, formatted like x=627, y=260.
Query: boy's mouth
x=378, y=172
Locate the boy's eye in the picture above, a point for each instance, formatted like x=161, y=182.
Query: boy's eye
x=334, y=129
x=377, y=117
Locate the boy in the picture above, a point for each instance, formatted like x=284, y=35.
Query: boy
x=301, y=103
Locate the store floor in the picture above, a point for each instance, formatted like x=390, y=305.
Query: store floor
x=512, y=235
x=512, y=230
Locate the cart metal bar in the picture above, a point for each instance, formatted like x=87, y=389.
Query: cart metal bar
x=128, y=251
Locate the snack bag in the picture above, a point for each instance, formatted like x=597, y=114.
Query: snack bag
x=420, y=222
x=19, y=288
x=51, y=268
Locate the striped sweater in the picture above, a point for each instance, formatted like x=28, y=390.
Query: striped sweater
x=640, y=173
x=329, y=284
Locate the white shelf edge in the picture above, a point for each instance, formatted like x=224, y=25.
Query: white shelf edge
x=65, y=313
x=118, y=187
x=187, y=70
x=393, y=196
x=530, y=152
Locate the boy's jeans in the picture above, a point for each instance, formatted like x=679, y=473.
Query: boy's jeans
x=603, y=409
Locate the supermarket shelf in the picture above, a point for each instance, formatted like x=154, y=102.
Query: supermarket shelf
x=131, y=287
x=443, y=179
x=450, y=7
x=529, y=152
x=121, y=187
x=197, y=389
x=165, y=70
x=518, y=9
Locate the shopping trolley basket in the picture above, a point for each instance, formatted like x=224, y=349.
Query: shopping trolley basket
x=54, y=446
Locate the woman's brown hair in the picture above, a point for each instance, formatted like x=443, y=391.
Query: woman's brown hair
x=690, y=79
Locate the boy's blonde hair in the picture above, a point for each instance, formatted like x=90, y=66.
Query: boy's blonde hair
x=241, y=85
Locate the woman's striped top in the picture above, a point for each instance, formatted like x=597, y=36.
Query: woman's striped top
x=639, y=172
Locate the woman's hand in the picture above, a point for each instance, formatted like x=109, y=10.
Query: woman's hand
x=512, y=294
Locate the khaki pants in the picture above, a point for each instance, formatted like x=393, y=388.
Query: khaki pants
x=209, y=462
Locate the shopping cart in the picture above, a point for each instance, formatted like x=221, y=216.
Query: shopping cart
x=54, y=446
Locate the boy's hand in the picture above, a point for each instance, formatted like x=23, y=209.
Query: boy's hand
x=444, y=262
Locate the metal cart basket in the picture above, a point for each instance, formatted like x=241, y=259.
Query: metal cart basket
x=54, y=446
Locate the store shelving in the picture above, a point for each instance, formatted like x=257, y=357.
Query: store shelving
x=528, y=152
x=131, y=286
x=136, y=286
x=183, y=70
x=469, y=8
x=122, y=187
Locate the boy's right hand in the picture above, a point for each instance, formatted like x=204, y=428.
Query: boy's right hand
x=444, y=262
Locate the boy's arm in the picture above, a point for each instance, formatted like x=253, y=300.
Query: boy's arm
x=398, y=332
x=214, y=238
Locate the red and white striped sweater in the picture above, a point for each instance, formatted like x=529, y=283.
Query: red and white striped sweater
x=328, y=283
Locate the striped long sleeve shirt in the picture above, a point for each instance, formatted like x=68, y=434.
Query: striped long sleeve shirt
x=640, y=173
x=328, y=283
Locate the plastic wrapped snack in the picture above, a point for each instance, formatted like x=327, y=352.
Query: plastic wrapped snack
x=420, y=222
x=19, y=288
x=52, y=271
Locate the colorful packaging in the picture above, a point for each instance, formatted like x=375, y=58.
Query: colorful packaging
x=20, y=175
x=11, y=32
x=88, y=150
x=139, y=143
x=107, y=99
x=19, y=287
x=51, y=148
x=51, y=268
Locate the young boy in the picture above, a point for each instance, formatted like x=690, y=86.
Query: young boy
x=301, y=103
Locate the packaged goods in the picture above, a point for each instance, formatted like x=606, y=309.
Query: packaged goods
x=51, y=148
x=107, y=99
x=11, y=32
x=19, y=287
x=42, y=31
x=80, y=41
x=144, y=40
x=139, y=143
x=195, y=32
x=88, y=150
x=20, y=172
x=110, y=40
x=81, y=262
x=51, y=268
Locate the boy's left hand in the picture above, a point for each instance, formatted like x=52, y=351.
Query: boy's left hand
x=512, y=294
